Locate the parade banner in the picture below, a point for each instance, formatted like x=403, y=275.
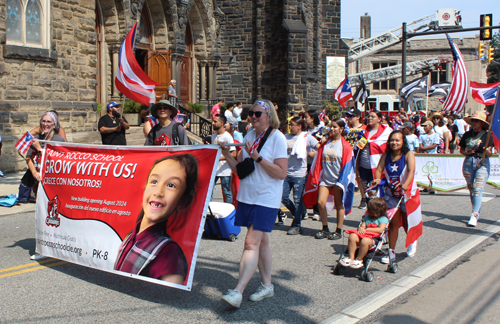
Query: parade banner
x=445, y=171
x=133, y=211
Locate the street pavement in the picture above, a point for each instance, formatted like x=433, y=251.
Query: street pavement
x=456, y=280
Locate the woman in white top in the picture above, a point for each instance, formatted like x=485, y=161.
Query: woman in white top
x=259, y=198
x=443, y=132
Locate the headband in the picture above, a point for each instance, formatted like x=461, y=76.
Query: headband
x=264, y=105
x=51, y=115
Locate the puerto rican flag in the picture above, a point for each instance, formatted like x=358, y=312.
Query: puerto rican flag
x=495, y=122
x=24, y=143
x=413, y=207
x=343, y=92
x=457, y=96
x=322, y=114
x=378, y=144
x=130, y=79
x=484, y=93
x=153, y=121
x=346, y=181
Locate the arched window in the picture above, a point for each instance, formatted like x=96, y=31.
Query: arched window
x=26, y=23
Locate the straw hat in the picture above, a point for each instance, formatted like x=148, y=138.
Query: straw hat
x=431, y=117
x=478, y=115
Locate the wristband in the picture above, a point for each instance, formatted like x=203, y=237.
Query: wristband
x=259, y=159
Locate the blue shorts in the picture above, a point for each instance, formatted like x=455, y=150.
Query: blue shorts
x=262, y=218
x=392, y=202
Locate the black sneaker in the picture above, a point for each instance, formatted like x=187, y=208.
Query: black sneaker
x=281, y=218
x=362, y=204
x=322, y=234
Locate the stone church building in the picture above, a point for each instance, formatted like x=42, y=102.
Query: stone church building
x=63, y=55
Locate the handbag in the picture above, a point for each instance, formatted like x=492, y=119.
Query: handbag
x=24, y=193
x=247, y=166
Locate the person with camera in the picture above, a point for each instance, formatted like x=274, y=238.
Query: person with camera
x=112, y=126
x=261, y=166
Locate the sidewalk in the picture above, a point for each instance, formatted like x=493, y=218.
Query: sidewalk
x=10, y=185
x=470, y=293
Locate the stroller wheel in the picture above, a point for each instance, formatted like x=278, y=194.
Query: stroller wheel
x=232, y=237
x=393, y=267
x=369, y=277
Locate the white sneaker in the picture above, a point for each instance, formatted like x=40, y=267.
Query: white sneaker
x=233, y=298
x=385, y=259
x=316, y=217
x=262, y=292
x=346, y=262
x=473, y=220
x=412, y=249
x=37, y=257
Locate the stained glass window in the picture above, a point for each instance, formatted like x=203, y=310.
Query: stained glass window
x=13, y=22
x=33, y=22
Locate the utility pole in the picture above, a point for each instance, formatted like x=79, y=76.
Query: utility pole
x=403, y=62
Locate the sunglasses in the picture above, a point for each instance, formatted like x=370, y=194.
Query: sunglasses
x=257, y=114
x=163, y=108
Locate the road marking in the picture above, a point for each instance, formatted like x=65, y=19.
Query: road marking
x=379, y=298
x=29, y=267
x=31, y=264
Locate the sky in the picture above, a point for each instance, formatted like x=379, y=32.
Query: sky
x=388, y=14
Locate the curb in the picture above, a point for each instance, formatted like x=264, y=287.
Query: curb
x=378, y=299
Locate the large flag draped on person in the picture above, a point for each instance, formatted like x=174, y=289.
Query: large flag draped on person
x=495, y=122
x=343, y=92
x=457, y=96
x=130, y=79
x=361, y=93
x=378, y=144
x=416, y=86
x=346, y=179
x=484, y=93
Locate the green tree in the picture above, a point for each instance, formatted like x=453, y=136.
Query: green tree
x=492, y=71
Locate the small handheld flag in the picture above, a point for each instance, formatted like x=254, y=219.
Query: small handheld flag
x=25, y=142
x=343, y=92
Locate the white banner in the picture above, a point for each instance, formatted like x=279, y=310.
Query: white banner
x=445, y=171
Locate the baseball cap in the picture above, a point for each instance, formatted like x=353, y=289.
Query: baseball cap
x=233, y=121
x=113, y=104
x=428, y=123
x=354, y=112
x=407, y=125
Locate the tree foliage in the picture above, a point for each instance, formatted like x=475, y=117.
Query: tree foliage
x=492, y=71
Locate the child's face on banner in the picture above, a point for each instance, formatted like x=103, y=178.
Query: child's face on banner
x=165, y=187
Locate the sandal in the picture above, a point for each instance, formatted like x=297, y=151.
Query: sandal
x=334, y=236
x=322, y=234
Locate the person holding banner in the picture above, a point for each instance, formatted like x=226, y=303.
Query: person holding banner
x=164, y=132
x=148, y=250
x=259, y=197
x=476, y=167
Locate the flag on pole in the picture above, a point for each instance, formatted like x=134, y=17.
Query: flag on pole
x=361, y=93
x=343, y=92
x=130, y=79
x=322, y=114
x=484, y=93
x=457, y=97
x=416, y=86
x=495, y=122
x=439, y=89
x=24, y=143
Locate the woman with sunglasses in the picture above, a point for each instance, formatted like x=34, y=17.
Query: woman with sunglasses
x=475, y=171
x=259, y=198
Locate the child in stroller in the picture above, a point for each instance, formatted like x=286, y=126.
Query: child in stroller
x=372, y=225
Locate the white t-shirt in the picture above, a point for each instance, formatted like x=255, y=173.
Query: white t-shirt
x=223, y=169
x=259, y=188
x=237, y=111
x=440, y=130
x=462, y=126
x=413, y=142
x=228, y=113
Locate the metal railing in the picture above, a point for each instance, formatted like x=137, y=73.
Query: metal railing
x=199, y=126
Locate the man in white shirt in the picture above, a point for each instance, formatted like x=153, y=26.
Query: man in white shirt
x=462, y=126
x=237, y=110
x=223, y=169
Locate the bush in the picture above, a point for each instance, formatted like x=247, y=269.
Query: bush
x=332, y=110
x=131, y=107
x=99, y=107
x=196, y=107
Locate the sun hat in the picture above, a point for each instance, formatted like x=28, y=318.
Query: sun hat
x=428, y=123
x=163, y=103
x=436, y=115
x=478, y=115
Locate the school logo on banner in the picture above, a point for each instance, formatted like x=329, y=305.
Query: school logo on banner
x=53, y=213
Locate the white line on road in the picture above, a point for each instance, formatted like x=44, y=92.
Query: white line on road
x=376, y=300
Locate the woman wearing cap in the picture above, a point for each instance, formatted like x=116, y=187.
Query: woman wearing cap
x=475, y=171
x=259, y=198
x=443, y=132
x=162, y=134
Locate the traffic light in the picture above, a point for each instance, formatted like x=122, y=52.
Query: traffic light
x=480, y=50
x=485, y=21
x=491, y=53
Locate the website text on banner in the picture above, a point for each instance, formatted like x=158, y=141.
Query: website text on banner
x=445, y=171
x=139, y=210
